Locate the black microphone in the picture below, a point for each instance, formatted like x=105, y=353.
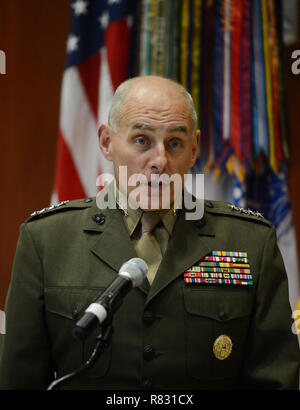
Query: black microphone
x=132, y=273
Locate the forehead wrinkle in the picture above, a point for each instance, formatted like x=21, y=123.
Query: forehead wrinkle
x=135, y=106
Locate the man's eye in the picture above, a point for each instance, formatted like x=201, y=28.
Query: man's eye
x=140, y=140
x=174, y=144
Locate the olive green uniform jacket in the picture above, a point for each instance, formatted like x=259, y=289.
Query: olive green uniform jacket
x=164, y=334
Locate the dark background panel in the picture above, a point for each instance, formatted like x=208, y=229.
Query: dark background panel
x=33, y=35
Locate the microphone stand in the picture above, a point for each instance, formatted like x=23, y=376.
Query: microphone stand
x=101, y=342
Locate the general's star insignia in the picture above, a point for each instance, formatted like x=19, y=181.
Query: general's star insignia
x=245, y=211
x=37, y=213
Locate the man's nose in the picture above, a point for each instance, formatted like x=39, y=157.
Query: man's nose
x=158, y=159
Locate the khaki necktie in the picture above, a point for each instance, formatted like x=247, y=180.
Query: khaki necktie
x=147, y=246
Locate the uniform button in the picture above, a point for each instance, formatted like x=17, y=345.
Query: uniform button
x=223, y=315
x=75, y=314
x=99, y=219
x=148, y=317
x=209, y=204
x=87, y=200
x=146, y=384
x=200, y=224
x=148, y=352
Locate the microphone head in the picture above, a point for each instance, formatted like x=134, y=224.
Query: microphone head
x=135, y=269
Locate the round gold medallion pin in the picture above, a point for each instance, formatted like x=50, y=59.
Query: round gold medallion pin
x=222, y=347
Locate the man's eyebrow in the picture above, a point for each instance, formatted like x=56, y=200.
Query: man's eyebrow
x=178, y=128
x=143, y=127
x=147, y=127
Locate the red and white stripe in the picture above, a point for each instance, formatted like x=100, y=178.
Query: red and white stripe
x=87, y=90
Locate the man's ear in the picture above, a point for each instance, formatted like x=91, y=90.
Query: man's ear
x=195, y=142
x=105, y=134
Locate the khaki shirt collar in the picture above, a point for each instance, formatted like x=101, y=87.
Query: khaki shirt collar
x=132, y=217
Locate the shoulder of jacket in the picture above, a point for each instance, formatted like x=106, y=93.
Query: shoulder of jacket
x=63, y=206
x=228, y=209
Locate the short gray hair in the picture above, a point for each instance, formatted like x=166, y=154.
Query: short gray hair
x=123, y=90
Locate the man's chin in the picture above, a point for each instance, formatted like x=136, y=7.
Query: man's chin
x=152, y=198
x=155, y=203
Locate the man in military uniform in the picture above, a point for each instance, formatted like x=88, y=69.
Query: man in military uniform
x=213, y=312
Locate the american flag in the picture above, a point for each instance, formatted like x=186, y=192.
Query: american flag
x=99, y=51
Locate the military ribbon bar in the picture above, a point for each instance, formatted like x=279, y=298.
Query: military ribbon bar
x=221, y=267
x=224, y=264
x=218, y=281
x=229, y=253
x=213, y=269
x=225, y=259
x=216, y=275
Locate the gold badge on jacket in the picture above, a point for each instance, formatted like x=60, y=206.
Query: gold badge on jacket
x=222, y=347
x=221, y=267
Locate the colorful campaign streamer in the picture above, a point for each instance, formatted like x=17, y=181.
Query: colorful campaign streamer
x=227, y=53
